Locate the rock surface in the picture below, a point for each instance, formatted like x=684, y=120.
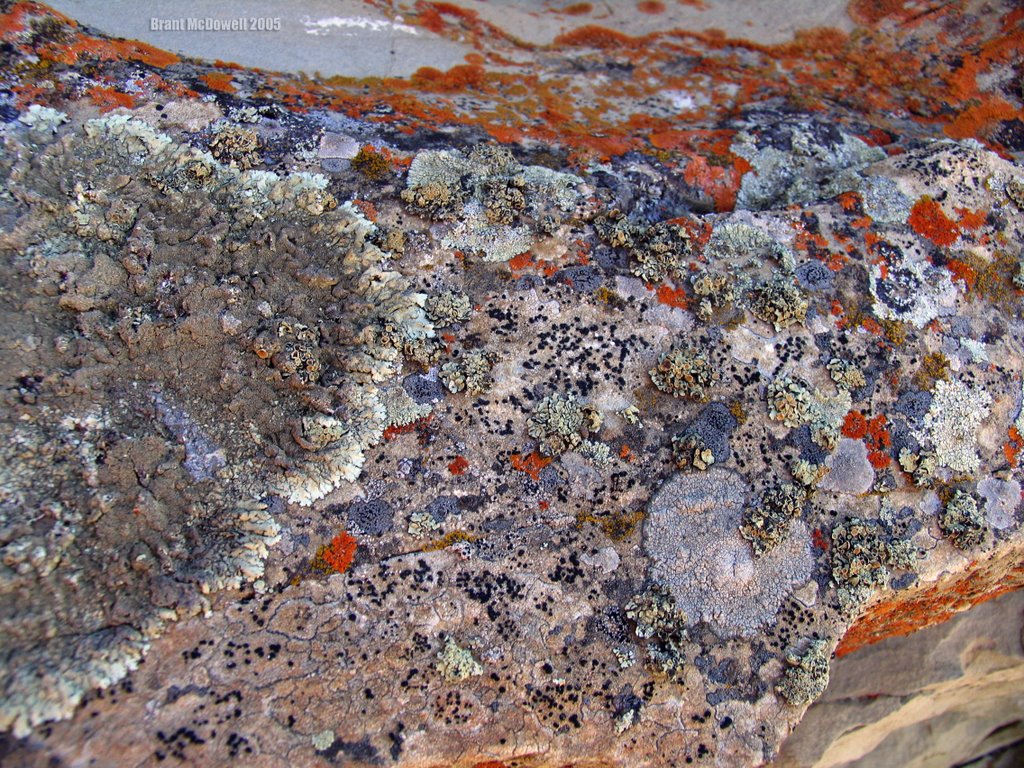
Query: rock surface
x=571, y=405
x=946, y=695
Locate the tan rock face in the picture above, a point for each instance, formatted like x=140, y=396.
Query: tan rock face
x=942, y=696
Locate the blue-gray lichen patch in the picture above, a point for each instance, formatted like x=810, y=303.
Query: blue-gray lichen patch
x=692, y=537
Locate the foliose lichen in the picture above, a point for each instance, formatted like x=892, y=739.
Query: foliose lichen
x=951, y=425
x=863, y=553
x=806, y=675
x=765, y=523
x=962, y=521
x=447, y=308
x=660, y=622
x=684, y=372
x=779, y=301
x=559, y=422
x=498, y=207
x=470, y=373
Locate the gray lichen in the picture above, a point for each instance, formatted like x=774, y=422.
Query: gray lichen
x=697, y=553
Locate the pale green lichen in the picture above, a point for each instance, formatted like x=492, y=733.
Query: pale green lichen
x=598, y=454
x=779, y=301
x=806, y=675
x=400, y=409
x=659, y=252
x=684, y=372
x=951, y=424
x=790, y=402
x=235, y=146
x=447, y=308
x=456, y=664
x=471, y=373
x=499, y=207
x=659, y=621
x=422, y=524
x=808, y=473
x=655, y=613
x=714, y=290
x=689, y=450
x=558, y=422
x=845, y=374
x=962, y=522
x=766, y=523
x=323, y=740
x=863, y=553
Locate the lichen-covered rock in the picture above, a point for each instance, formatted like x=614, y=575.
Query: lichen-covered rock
x=806, y=677
x=962, y=521
x=692, y=536
x=237, y=444
x=685, y=373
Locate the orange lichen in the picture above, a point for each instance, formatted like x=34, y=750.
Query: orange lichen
x=1012, y=448
x=531, y=464
x=458, y=78
x=577, y=9
x=110, y=98
x=593, y=36
x=458, y=465
x=962, y=271
x=855, y=426
x=417, y=426
x=337, y=556
x=218, y=81
x=978, y=118
x=928, y=220
x=969, y=219
x=821, y=539
x=651, y=7
x=672, y=297
x=935, y=603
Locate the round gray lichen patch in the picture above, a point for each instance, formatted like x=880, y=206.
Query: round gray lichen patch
x=696, y=550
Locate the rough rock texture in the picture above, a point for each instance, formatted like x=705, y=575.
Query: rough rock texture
x=942, y=696
x=572, y=405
